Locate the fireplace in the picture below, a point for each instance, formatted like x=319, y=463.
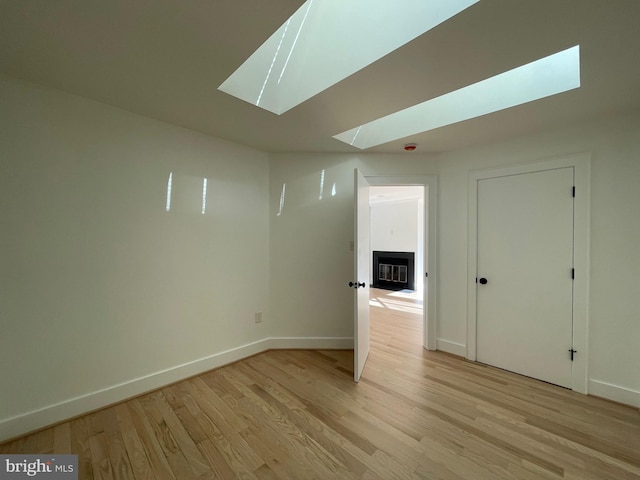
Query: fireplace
x=393, y=270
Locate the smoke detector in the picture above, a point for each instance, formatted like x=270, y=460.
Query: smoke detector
x=410, y=147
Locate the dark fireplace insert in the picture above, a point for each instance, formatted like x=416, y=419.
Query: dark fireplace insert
x=393, y=270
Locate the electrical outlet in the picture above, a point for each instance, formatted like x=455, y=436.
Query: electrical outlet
x=258, y=317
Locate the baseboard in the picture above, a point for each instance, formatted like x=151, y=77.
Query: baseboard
x=614, y=392
x=311, y=343
x=451, y=347
x=37, y=419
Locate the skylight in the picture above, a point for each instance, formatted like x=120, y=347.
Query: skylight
x=548, y=76
x=324, y=42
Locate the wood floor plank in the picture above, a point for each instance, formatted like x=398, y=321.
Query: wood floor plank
x=136, y=452
x=269, y=424
x=266, y=473
x=221, y=425
x=62, y=438
x=184, y=407
x=166, y=440
x=219, y=464
x=317, y=432
x=100, y=460
x=184, y=443
x=80, y=446
x=117, y=452
x=295, y=414
x=276, y=456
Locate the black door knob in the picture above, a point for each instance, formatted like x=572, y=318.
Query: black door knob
x=351, y=284
x=483, y=281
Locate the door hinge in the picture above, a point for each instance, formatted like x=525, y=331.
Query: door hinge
x=573, y=274
x=426, y=274
x=572, y=352
x=573, y=192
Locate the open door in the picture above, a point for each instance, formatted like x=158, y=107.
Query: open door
x=360, y=284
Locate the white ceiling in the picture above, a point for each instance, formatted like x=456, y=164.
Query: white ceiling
x=165, y=59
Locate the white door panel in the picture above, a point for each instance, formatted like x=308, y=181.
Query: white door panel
x=362, y=261
x=525, y=253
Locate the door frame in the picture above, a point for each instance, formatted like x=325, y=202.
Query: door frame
x=429, y=285
x=582, y=166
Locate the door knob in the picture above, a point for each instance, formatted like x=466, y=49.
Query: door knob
x=357, y=285
x=483, y=281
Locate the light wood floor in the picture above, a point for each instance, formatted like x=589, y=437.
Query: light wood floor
x=298, y=415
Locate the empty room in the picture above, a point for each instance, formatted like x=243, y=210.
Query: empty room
x=194, y=279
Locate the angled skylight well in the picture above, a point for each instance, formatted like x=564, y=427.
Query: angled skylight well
x=324, y=42
x=548, y=76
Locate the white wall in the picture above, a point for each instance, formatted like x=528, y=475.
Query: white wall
x=103, y=293
x=614, y=309
x=394, y=226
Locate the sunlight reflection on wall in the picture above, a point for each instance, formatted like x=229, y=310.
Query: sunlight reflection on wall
x=186, y=194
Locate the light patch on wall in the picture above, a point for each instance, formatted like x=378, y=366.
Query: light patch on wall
x=168, y=203
x=333, y=189
x=328, y=41
x=548, y=76
x=321, y=184
x=282, y=195
x=204, y=196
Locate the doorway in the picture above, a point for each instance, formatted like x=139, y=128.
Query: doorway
x=425, y=261
x=397, y=246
